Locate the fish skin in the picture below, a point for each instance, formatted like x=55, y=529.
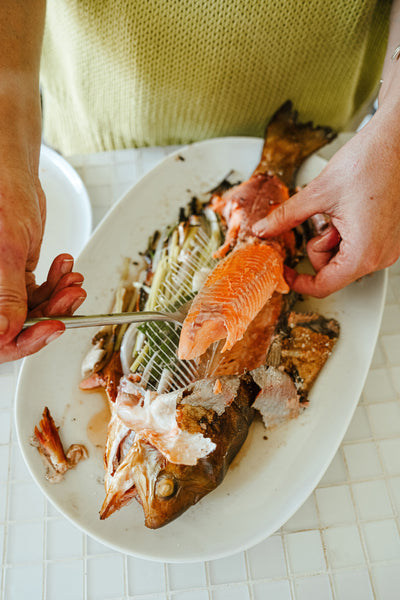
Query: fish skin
x=288, y=142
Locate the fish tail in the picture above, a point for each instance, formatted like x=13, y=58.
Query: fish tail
x=289, y=142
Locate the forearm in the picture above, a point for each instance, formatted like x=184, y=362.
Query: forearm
x=21, y=32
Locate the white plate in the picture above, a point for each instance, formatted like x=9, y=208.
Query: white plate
x=269, y=479
x=69, y=216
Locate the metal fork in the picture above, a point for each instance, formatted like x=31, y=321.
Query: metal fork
x=111, y=319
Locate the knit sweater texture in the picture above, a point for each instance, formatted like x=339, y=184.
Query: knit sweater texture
x=130, y=73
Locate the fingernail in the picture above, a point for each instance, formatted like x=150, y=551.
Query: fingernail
x=77, y=303
x=259, y=227
x=4, y=323
x=53, y=336
x=66, y=265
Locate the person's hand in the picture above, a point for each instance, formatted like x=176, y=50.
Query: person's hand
x=359, y=190
x=22, y=216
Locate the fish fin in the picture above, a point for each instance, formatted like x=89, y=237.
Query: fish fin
x=289, y=142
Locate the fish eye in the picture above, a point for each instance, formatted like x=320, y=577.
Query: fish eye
x=166, y=486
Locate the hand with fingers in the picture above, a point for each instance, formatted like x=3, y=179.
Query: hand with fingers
x=22, y=216
x=60, y=294
x=359, y=190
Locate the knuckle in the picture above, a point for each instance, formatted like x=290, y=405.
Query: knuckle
x=11, y=299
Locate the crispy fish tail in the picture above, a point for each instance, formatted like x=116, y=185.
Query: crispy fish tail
x=288, y=143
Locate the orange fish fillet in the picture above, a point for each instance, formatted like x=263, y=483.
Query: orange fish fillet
x=233, y=294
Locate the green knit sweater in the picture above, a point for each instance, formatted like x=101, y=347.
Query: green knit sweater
x=120, y=73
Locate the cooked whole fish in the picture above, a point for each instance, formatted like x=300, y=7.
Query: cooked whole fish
x=168, y=449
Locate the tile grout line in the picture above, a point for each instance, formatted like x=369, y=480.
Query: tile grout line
x=126, y=583
x=248, y=574
x=359, y=528
x=208, y=578
x=387, y=475
x=289, y=577
x=322, y=529
x=85, y=570
x=45, y=532
x=7, y=506
x=166, y=579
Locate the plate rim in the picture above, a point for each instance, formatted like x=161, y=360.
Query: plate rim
x=49, y=156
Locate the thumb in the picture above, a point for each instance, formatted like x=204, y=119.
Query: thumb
x=289, y=214
x=13, y=295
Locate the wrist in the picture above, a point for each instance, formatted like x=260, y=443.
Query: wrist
x=20, y=123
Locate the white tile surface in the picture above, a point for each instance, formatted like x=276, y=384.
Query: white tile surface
x=386, y=580
x=65, y=580
x=378, y=387
x=394, y=490
x=342, y=544
x=336, y=472
x=24, y=542
x=335, y=504
x=190, y=595
x=394, y=372
x=146, y=577
x=313, y=588
x=359, y=427
x=372, y=499
x=179, y=575
x=276, y=590
x=5, y=422
x=267, y=559
x=362, y=460
x=353, y=584
x=382, y=540
x=390, y=455
x=226, y=570
x=305, y=518
x=105, y=577
x=305, y=552
x=24, y=581
x=4, y=457
x=26, y=501
x=391, y=347
x=238, y=592
x=63, y=540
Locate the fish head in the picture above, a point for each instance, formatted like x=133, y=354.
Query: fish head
x=166, y=490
